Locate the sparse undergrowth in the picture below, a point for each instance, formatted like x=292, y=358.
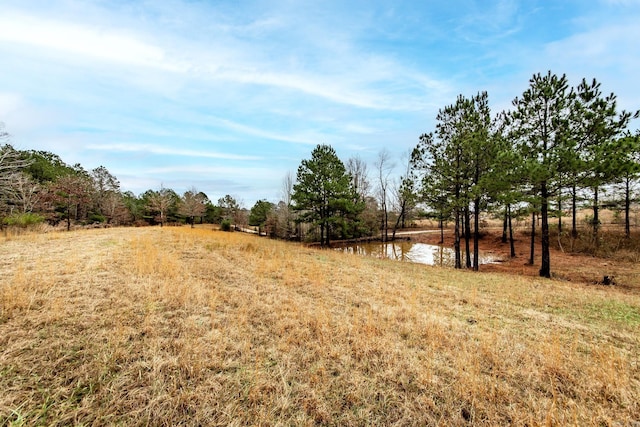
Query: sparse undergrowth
x=179, y=326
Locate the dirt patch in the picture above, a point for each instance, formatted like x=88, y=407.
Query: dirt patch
x=564, y=265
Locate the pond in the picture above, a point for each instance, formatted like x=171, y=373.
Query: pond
x=420, y=253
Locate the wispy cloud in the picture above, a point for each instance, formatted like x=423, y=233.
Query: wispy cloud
x=153, y=88
x=609, y=53
x=264, y=134
x=167, y=151
x=254, y=172
x=105, y=44
x=124, y=47
x=488, y=23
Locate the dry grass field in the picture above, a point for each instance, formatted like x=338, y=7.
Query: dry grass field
x=175, y=326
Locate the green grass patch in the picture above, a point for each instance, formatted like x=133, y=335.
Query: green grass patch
x=23, y=220
x=606, y=311
x=615, y=311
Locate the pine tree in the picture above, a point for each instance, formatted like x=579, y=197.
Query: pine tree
x=540, y=124
x=598, y=125
x=324, y=194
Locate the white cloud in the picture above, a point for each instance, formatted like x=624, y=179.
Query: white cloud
x=258, y=173
x=602, y=46
x=345, y=76
x=105, y=44
x=609, y=53
x=168, y=151
x=272, y=77
x=261, y=133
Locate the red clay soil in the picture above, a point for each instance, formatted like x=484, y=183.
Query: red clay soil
x=564, y=266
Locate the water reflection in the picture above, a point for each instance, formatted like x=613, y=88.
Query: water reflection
x=420, y=253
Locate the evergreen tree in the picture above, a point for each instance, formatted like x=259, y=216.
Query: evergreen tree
x=456, y=164
x=135, y=206
x=260, y=213
x=45, y=167
x=324, y=194
x=432, y=186
x=627, y=151
x=503, y=182
x=444, y=183
x=598, y=125
x=540, y=123
x=482, y=153
x=230, y=210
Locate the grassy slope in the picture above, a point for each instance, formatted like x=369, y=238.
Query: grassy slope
x=179, y=326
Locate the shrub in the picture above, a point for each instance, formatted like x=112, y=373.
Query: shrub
x=225, y=225
x=23, y=220
x=93, y=218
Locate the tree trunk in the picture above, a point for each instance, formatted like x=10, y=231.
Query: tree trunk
x=456, y=241
x=627, y=208
x=467, y=236
x=69, y=216
x=327, y=232
x=533, y=238
x=545, y=269
x=397, y=224
x=560, y=214
x=441, y=229
x=504, y=225
x=385, y=221
x=574, y=226
x=596, y=219
x=512, y=243
x=476, y=234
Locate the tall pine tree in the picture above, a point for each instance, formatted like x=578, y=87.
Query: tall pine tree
x=540, y=124
x=324, y=194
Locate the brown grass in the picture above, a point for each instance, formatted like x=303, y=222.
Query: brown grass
x=179, y=326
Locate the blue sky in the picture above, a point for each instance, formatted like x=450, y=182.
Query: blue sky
x=229, y=96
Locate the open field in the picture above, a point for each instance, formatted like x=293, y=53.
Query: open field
x=152, y=326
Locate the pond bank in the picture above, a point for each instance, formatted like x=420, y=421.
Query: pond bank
x=408, y=251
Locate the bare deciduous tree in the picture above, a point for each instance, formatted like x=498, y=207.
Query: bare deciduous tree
x=357, y=168
x=404, y=195
x=384, y=168
x=24, y=192
x=11, y=165
x=192, y=205
x=285, y=218
x=160, y=202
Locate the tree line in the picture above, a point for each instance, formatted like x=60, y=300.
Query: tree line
x=556, y=145
x=38, y=186
x=557, y=148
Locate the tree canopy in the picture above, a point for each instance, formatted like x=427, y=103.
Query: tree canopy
x=324, y=194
